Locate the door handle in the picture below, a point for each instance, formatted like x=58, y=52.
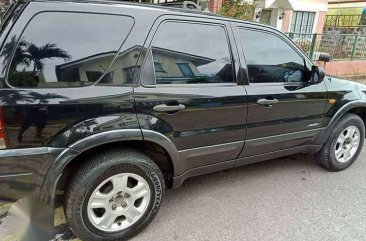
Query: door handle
x=267, y=102
x=169, y=108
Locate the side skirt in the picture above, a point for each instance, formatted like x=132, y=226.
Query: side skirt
x=178, y=180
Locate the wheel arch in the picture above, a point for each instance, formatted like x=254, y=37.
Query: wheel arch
x=357, y=107
x=155, y=145
x=361, y=112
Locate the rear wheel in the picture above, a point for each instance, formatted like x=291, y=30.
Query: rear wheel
x=344, y=144
x=114, y=196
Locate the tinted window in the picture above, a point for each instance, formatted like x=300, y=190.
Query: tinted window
x=191, y=53
x=270, y=59
x=68, y=50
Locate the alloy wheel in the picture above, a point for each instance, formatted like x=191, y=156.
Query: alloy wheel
x=118, y=202
x=347, y=144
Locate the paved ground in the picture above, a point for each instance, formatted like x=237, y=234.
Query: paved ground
x=283, y=199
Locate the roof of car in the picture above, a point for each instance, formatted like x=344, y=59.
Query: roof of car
x=156, y=6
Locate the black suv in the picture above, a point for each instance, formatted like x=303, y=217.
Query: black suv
x=114, y=102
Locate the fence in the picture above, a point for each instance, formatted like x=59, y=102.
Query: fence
x=345, y=21
x=339, y=46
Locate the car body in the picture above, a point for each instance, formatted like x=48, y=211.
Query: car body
x=187, y=126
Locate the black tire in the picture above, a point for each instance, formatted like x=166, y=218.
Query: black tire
x=99, y=168
x=326, y=156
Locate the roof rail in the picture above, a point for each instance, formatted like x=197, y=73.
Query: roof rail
x=185, y=4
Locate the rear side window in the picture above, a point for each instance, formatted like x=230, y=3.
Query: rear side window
x=69, y=50
x=270, y=59
x=191, y=53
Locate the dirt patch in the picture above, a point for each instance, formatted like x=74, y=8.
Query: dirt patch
x=4, y=208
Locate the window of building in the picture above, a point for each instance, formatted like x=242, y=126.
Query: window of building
x=197, y=53
x=67, y=50
x=265, y=16
x=158, y=67
x=129, y=73
x=186, y=70
x=302, y=22
x=93, y=75
x=270, y=59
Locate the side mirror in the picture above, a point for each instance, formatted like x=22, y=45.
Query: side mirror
x=317, y=74
x=325, y=58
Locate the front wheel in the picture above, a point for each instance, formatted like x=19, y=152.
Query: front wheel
x=343, y=145
x=114, y=196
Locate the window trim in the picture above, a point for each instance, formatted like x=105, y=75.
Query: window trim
x=149, y=54
x=290, y=44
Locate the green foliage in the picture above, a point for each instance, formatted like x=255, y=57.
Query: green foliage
x=237, y=9
x=23, y=79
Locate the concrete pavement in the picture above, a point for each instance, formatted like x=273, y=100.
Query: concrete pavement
x=283, y=199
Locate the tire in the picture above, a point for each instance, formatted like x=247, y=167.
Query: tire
x=96, y=184
x=327, y=157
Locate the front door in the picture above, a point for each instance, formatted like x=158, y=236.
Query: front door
x=189, y=91
x=284, y=109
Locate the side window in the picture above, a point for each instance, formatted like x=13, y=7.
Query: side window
x=189, y=53
x=270, y=59
x=69, y=50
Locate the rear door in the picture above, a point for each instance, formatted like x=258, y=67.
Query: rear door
x=285, y=110
x=189, y=90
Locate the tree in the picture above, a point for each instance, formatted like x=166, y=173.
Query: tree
x=20, y=56
x=27, y=53
x=37, y=55
x=237, y=9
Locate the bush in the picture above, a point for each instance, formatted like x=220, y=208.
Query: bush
x=237, y=9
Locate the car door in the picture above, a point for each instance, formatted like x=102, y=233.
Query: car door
x=189, y=92
x=285, y=110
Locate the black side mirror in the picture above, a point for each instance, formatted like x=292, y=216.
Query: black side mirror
x=325, y=58
x=317, y=74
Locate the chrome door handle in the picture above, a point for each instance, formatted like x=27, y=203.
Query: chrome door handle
x=168, y=108
x=267, y=101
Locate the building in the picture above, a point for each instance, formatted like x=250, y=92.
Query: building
x=298, y=16
x=346, y=16
x=346, y=4
x=170, y=66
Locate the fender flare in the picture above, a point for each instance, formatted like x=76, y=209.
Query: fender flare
x=52, y=177
x=323, y=135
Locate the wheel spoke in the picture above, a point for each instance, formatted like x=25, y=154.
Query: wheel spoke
x=99, y=200
x=119, y=183
x=107, y=220
x=341, y=138
x=351, y=131
x=132, y=213
x=355, y=141
x=140, y=190
x=347, y=154
x=339, y=152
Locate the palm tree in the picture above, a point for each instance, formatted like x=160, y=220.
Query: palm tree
x=37, y=55
x=20, y=56
x=26, y=53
